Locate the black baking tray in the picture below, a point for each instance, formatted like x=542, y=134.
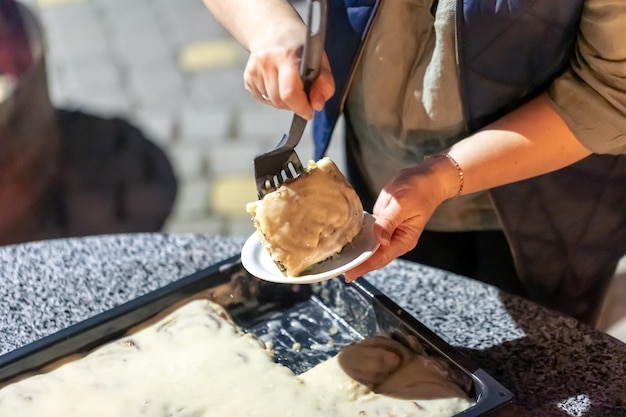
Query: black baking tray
x=319, y=319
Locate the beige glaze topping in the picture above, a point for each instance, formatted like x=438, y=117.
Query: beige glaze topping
x=310, y=219
x=196, y=363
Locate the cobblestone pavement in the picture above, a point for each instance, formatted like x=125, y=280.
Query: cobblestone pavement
x=168, y=67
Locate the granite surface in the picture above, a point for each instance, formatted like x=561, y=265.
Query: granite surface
x=554, y=365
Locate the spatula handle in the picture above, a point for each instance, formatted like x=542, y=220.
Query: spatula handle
x=314, y=44
x=310, y=64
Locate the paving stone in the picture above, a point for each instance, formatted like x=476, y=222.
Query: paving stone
x=188, y=163
x=63, y=23
x=63, y=12
x=122, y=7
x=207, y=224
x=137, y=37
x=106, y=102
x=188, y=21
x=158, y=86
x=59, y=88
x=182, y=7
x=51, y=3
x=233, y=157
x=70, y=88
x=222, y=86
x=231, y=193
x=262, y=122
x=77, y=52
x=33, y=5
x=162, y=100
x=205, y=125
x=157, y=124
x=336, y=150
x=141, y=55
x=96, y=74
x=305, y=148
x=191, y=200
x=209, y=54
x=240, y=226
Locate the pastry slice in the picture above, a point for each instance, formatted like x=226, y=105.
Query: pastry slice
x=309, y=219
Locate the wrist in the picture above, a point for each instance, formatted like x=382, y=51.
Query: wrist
x=286, y=34
x=447, y=173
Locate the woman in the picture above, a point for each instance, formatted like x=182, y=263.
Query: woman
x=444, y=100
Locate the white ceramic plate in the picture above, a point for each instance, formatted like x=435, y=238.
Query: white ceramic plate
x=258, y=262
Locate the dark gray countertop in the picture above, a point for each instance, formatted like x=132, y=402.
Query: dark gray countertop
x=554, y=365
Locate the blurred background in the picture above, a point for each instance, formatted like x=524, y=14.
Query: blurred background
x=131, y=116
x=169, y=70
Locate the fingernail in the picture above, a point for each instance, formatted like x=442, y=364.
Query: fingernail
x=348, y=277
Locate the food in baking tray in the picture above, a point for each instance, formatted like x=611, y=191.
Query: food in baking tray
x=195, y=362
x=309, y=219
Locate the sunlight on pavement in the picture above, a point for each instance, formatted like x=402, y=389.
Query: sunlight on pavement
x=209, y=54
x=48, y=3
x=231, y=194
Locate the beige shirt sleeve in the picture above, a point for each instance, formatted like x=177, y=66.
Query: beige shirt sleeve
x=591, y=94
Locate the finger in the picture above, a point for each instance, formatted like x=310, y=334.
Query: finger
x=388, y=214
x=321, y=92
x=260, y=80
x=292, y=91
x=273, y=85
x=377, y=260
x=404, y=239
x=254, y=83
x=256, y=92
x=382, y=257
x=323, y=88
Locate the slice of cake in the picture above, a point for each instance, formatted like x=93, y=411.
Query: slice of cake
x=309, y=219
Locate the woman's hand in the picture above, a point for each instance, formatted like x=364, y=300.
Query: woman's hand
x=272, y=74
x=403, y=208
x=274, y=33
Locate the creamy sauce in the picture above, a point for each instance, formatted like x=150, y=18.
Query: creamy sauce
x=195, y=362
x=310, y=219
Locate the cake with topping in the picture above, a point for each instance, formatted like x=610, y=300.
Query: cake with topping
x=195, y=361
x=308, y=220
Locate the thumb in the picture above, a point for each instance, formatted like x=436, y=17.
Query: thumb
x=323, y=87
x=321, y=91
x=387, y=221
x=383, y=230
x=388, y=214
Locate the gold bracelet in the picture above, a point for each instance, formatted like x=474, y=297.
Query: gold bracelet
x=458, y=169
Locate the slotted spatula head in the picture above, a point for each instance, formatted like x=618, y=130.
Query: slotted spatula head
x=279, y=165
x=282, y=164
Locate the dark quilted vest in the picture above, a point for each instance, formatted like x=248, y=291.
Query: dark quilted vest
x=508, y=52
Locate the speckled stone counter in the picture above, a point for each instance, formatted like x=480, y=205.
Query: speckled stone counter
x=554, y=365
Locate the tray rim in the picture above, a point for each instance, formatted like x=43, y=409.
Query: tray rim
x=492, y=394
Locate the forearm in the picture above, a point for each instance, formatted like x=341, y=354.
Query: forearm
x=248, y=20
x=528, y=142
